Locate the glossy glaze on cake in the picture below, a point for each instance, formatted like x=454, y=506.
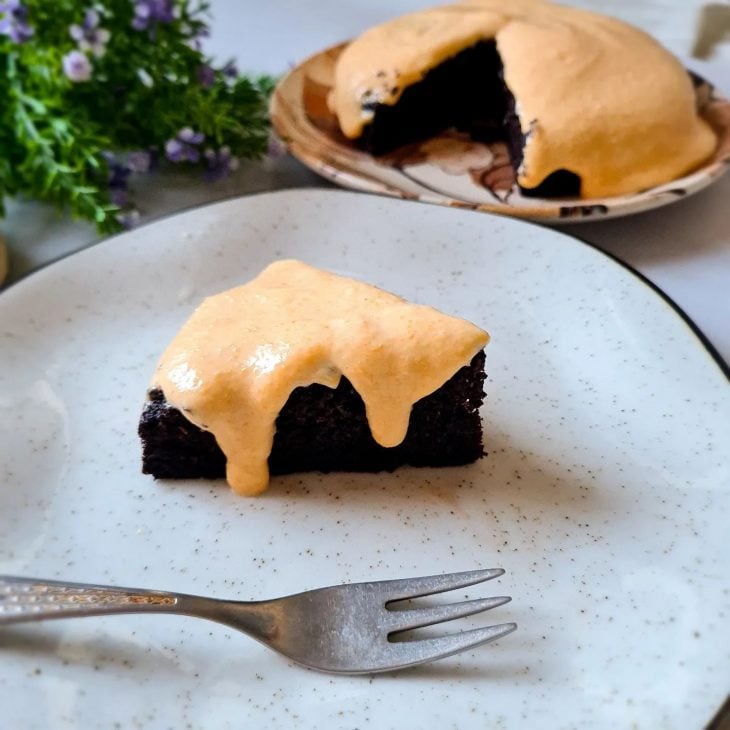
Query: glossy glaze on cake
x=235, y=363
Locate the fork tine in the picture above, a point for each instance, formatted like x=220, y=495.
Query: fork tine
x=407, y=653
x=396, y=590
x=413, y=619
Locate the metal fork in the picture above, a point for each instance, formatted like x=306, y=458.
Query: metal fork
x=346, y=629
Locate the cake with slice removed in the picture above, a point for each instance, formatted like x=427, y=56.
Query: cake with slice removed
x=587, y=104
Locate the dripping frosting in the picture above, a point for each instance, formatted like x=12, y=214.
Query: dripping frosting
x=234, y=363
x=594, y=95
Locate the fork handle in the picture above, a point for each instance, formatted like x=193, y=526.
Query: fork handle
x=29, y=599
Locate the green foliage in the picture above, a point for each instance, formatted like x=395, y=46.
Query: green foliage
x=146, y=85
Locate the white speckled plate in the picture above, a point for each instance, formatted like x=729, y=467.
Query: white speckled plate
x=453, y=170
x=605, y=495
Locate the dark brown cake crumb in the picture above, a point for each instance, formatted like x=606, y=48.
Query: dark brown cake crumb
x=325, y=429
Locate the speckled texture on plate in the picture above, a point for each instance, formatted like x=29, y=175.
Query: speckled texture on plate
x=451, y=169
x=605, y=495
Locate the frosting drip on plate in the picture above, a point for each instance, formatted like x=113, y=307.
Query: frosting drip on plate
x=593, y=95
x=234, y=363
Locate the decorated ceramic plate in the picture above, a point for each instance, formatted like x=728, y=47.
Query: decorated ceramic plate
x=605, y=494
x=451, y=169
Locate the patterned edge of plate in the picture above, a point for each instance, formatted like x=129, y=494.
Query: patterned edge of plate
x=449, y=168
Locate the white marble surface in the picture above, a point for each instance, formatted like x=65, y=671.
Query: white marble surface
x=684, y=249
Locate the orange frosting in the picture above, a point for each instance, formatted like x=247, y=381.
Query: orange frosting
x=234, y=363
x=595, y=96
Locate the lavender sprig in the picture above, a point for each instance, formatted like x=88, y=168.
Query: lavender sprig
x=14, y=21
x=221, y=163
x=149, y=12
x=77, y=67
x=86, y=77
x=184, y=146
x=89, y=36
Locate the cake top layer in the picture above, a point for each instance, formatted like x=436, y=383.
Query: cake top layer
x=593, y=95
x=234, y=363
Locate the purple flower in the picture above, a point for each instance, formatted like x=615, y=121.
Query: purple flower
x=149, y=12
x=275, y=148
x=206, y=76
x=128, y=218
x=77, y=66
x=221, y=163
x=118, y=179
x=119, y=196
x=186, y=134
x=196, y=41
x=13, y=21
x=89, y=36
x=119, y=171
x=139, y=161
x=230, y=71
x=184, y=146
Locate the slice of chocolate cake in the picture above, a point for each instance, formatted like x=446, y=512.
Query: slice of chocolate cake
x=303, y=370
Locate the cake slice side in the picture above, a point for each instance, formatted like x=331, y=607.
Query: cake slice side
x=326, y=429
